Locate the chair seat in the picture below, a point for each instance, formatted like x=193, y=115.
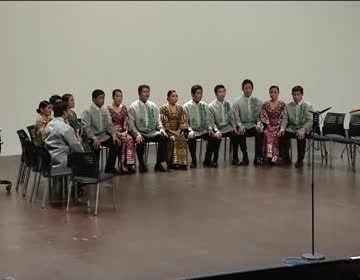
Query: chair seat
x=89, y=180
x=340, y=139
x=318, y=137
x=61, y=171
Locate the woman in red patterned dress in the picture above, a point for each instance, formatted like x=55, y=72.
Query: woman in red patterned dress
x=120, y=117
x=271, y=115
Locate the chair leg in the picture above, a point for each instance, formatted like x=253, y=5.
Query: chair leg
x=21, y=169
x=114, y=192
x=34, y=186
x=63, y=186
x=200, y=153
x=225, y=140
x=69, y=197
x=97, y=198
x=23, y=175
x=331, y=154
x=342, y=153
x=321, y=152
x=309, y=151
x=46, y=193
x=27, y=178
x=349, y=156
x=37, y=188
x=354, y=159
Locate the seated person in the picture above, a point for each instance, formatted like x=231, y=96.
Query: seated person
x=60, y=138
x=297, y=123
x=145, y=127
x=54, y=99
x=246, y=109
x=222, y=118
x=200, y=127
x=99, y=129
x=44, y=118
x=173, y=119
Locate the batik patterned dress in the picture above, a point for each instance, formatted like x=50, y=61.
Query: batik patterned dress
x=177, y=145
x=272, y=117
x=40, y=125
x=127, y=145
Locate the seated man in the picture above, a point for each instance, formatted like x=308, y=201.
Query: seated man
x=200, y=127
x=99, y=129
x=222, y=118
x=297, y=123
x=246, y=109
x=60, y=138
x=145, y=127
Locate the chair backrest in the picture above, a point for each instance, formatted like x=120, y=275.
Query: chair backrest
x=31, y=129
x=23, y=137
x=334, y=124
x=31, y=156
x=84, y=164
x=45, y=160
x=354, y=126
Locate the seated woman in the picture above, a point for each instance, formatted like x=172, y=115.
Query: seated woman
x=119, y=116
x=271, y=115
x=173, y=119
x=44, y=118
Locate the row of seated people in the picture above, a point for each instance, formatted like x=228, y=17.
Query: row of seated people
x=175, y=128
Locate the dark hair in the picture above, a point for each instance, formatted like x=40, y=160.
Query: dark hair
x=297, y=88
x=65, y=98
x=216, y=89
x=115, y=91
x=195, y=88
x=247, y=82
x=274, y=86
x=43, y=104
x=55, y=99
x=170, y=92
x=59, y=109
x=141, y=87
x=96, y=93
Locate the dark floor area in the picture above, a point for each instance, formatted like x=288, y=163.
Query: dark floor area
x=168, y=226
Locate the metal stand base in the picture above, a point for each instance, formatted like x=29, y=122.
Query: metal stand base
x=313, y=257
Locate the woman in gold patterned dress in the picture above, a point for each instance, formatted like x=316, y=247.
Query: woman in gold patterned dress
x=44, y=118
x=173, y=119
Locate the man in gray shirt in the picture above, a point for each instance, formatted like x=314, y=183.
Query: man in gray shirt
x=297, y=123
x=100, y=130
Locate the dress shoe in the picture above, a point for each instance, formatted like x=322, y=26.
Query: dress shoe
x=214, y=164
x=285, y=162
x=132, y=169
x=207, y=164
x=193, y=164
x=244, y=162
x=258, y=161
x=235, y=162
x=143, y=168
x=159, y=168
x=299, y=164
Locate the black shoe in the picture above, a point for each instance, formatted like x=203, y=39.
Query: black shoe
x=214, y=164
x=244, y=162
x=132, y=169
x=143, y=168
x=258, y=161
x=159, y=168
x=207, y=164
x=235, y=162
x=183, y=167
x=285, y=162
x=193, y=164
x=299, y=164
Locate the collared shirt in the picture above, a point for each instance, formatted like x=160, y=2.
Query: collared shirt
x=144, y=118
x=60, y=140
x=198, y=117
x=297, y=116
x=247, y=110
x=221, y=116
x=97, y=123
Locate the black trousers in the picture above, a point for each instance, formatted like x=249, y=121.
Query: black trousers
x=211, y=146
x=109, y=143
x=285, y=146
x=259, y=139
x=161, y=151
x=233, y=141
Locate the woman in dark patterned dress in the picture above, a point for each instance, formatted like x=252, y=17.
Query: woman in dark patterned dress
x=271, y=115
x=173, y=119
x=120, y=117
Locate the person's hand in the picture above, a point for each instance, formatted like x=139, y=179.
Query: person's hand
x=241, y=130
x=172, y=138
x=259, y=127
x=116, y=141
x=97, y=144
x=191, y=135
x=301, y=134
x=281, y=132
x=218, y=135
x=163, y=133
x=139, y=139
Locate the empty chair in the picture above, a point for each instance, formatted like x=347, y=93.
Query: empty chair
x=334, y=129
x=354, y=134
x=85, y=170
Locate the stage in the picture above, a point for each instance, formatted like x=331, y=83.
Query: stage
x=184, y=223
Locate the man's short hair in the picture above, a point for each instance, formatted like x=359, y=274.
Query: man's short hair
x=96, y=93
x=59, y=109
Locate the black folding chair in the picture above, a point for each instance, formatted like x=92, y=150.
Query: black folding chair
x=354, y=134
x=85, y=170
x=334, y=129
x=23, y=137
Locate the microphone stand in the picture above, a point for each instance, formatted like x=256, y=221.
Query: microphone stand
x=313, y=256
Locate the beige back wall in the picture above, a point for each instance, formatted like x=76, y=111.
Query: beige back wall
x=75, y=47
